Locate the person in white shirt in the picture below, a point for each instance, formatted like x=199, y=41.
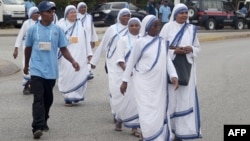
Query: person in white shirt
x=33, y=15
x=87, y=22
x=126, y=110
x=73, y=84
x=108, y=44
x=151, y=62
x=183, y=103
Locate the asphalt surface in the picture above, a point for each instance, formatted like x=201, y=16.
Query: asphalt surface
x=8, y=68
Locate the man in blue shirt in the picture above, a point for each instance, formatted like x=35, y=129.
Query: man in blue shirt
x=150, y=9
x=243, y=10
x=42, y=43
x=164, y=12
x=28, y=5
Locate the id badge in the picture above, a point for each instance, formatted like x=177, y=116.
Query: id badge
x=73, y=39
x=45, y=46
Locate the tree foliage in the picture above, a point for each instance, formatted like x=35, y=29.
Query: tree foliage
x=61, y=4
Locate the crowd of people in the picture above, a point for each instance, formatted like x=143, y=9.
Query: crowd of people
x=149, y=91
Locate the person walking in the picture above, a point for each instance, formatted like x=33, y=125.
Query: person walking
x=87, y=22
x=20, y=42
x=28, y=5
x=70, y=84
x=183, y=102
x=164, y=12
x=43, y=40
x=55, y=17
x=244, y=10
x=126, y=110
x=149, y=57
x=108, y=44
x=150, y=8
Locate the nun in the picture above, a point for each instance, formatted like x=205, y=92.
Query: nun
x=126, y=110
x=33, y=15
x=70, y=83
x=151, y=64
x=184, y=105
x=87, y=22
x=109, y=44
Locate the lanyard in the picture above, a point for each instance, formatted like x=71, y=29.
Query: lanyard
x=130, y=47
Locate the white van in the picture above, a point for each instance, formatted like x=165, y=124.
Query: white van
x=12, y=12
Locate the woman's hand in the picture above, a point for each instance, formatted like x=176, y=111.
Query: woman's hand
x=123, y=87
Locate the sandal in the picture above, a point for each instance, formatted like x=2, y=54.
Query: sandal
x=118, y=126
x=136, y=133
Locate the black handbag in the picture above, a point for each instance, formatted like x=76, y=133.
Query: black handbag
x=183, y=69
x=182, y=66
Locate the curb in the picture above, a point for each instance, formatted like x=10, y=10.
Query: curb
x=7, y=68
x=219, y=37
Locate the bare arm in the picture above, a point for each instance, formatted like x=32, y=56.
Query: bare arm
x=15, y=53
x=122, y=65
x=27, y=55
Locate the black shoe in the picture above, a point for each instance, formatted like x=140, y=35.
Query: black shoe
x=37, y=134
x=27, y=88
x=46, y=128
x=26, y=91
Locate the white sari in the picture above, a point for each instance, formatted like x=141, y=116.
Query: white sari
x=71, y=83
x=151, y=62
x=184, y=106
x=125, y=105
x=108, y=44
x=150, y=87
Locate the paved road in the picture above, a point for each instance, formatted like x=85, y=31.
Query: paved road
x=223, y=87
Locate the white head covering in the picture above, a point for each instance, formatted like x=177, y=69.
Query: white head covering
x=68, y=9
x=147, y=23
x=80, y=4
x=178, y=8
x=32, y=10
x=122, y=12
x=134, y=20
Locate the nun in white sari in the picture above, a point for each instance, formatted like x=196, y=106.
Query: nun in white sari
x=184, y=106
x=87, y=22
x=126, y=110
x=33, y=15
x=73, y=84
x=108, y=44
x=151, y=62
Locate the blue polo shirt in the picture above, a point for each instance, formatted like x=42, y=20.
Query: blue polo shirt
x=165, y=11
x=43, y=63
x=28, y=5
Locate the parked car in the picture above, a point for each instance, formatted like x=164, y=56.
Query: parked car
x=215, y=14
x=106, y=13
x=247, y=16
